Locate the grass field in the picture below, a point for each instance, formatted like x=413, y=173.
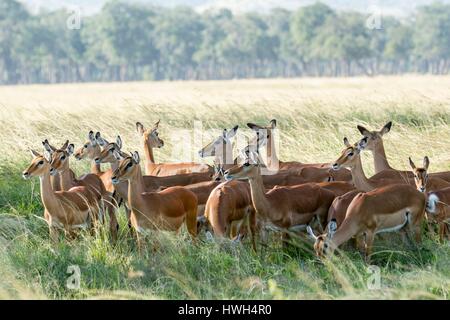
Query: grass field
x=313, y=116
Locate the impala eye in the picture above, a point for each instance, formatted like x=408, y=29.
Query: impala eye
x=112, y=150
x=85, y=146
x=63, y=157
x=40, y=163
x=246, y=164
x=350, y=154
x=129, y=165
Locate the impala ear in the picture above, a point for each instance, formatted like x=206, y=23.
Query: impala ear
x=363, y=130
x=261, y=137
x=136, y=158
x=100, y=140
x=311, y=232
x=411, y=163
x=386, y=128
x=426, y=163
x=34, y=153
x=65, y=145
x=140, y=128
x=119, y=142
x=157, y=123
x=48, y=156
x=347, y=144
x=230, y=134
x=117, y=155
x=332, y=227
x=362, y=144
x=254, y=127
x=70, y=149
x=273, y=123
x=49, y=148
x=92, y=138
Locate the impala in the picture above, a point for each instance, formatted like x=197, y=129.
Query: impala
x=229, y=209
x=284, y=208
x=382, y=168
x=60, y=165
x=112, y=154
x=316, y=171
x=151, y=140
x=67, y=210
x=437, y=207
x=55, y=179
x=166, y=209
x=351, y=158
x=385, y=209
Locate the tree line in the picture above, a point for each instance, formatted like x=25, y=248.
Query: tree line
x=136, y=42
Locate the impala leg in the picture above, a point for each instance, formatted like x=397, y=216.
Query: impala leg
x=442, y=230
x=54, y=234
x=113, y=223
x=285, y=238
x=369, y=245
x=253, y=227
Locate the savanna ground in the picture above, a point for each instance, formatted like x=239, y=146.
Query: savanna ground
x=313, y=116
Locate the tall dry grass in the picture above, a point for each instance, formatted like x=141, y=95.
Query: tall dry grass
x=313, y=116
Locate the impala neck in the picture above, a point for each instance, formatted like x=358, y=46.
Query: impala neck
x=379, y=157
x=67, y=179
x=56, y=182
x=259, y=199
x=345, y=232
x=47, y=194
x=272, y=158
x=358, y=176
x=225, y=159
x=95, y=167
x=149, y=157
x=135, y=190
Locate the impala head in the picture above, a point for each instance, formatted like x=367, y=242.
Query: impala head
x=349, y=155
x=420, y=174
x=150, y=136
x=89, y=150
x=107, y=154
x=267, y=130
x=259, y=141
x=248, y=170
x=218, y=172
x=59, y=157
x=323, y=245
x=220, y=147
x=39, y=165
x=374, y=138
x=127, y=166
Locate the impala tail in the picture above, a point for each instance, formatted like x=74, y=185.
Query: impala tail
x=433, y=199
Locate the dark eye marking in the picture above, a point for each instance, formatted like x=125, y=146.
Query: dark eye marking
x=112, y=149
x=63, y=157
x=129, y=165
x=40, y=163
x=350, y=154
x=85, y=146
x=246, y=164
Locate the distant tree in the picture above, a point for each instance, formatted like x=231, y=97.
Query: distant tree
x=432, y=37
x=178, y=38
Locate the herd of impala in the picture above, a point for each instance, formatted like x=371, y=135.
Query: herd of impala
x=234, y=198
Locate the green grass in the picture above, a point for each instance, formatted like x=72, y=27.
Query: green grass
x=311, y=129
